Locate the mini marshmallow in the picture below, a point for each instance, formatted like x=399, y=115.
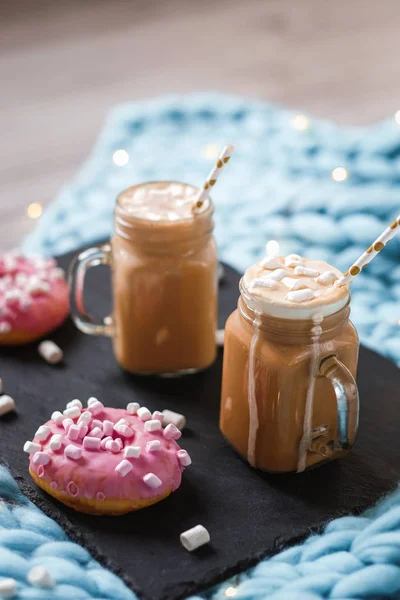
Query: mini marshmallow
x=85, y=417
x=57, y=273
x=91, y=400
x=292, y=260
x=95, y=407
x=194, y=538
x=126, y=432
x=8, y=587
x=123, y=468
x=41, y=458
x=72, y=413
x=112, y=446
x=220, y=337
x=7, y=404
x=144, y=414
x=104, y=441
x=31, y=447
x=153, y=446
x=74, y=452
x=158, y=415
x=50, y=352
x=133, y=407
x=118, y=441
x=300, y=295
x=277, y=275
x=97, y=423
x=43, y=433
x=75, y=402
x=306, y=271
x=270, y=262
x=184, y=458
x=152, y=481
x=73, y=432
x=172, y=432
x=108, y=427
x=91, y=443
x=175, y=418
x=327, y=277
x=67, y=423
x=57, y=417
x=152, y=425
x=96, y=432
x=83, y=429
x=132, y=451
x=40, y=577
x=55, y=442
x=293, y=284
x=262, y=282
x=120, y=422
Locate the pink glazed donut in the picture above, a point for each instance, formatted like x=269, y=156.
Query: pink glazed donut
x=106, y=461
x=33, y=298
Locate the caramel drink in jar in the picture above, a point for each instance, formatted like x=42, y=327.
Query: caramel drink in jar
x=164, y=276
x=289, y=396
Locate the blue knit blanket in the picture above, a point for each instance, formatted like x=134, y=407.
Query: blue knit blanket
x=280, y=185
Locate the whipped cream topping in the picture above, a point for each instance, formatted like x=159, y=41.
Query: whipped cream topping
x=160, y=201
x=294, y=287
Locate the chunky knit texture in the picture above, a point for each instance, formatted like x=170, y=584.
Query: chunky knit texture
x=278, y=185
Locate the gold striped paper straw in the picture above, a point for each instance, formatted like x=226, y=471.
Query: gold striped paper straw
x=372, y=251
x=213, y=177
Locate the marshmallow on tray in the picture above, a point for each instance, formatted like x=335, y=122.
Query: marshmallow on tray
x=7, y=404
x=175, y=418
x=194, y=538
x=50, y=352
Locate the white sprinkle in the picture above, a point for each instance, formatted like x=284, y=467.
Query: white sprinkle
x=158, y=415
x=124, y=467
x=92, y=400
x=152, y=481
x=50, y=352
x=74, y=452
x=7, y=404
x=306, y=271
x=85, y=417
x=144, y=414
x=8, y=587
x=55, y=442
x=72, y=413
x=153, y=446
x=75, y=402
x=184, y=458
x=220, y=337
x=96, y=407
x=91, y=443
x=194, y=538
x=31, y=447
x=57, y=417
x=172, y=432
x=152, y=425
x=57, y=273
x=113, y=446
x=270, y=262
x=133, y=407
x=293, y=284
x=327, y=277
x=300, y=295
x=37, y=287
x=73, y=432
x=262, y=282
x=108, y=427
x=41, y=458
x=43, y=433
x=132, y=451
x=40, y=577
x=96, y=432
x=175, y=418
x=292, y=260
x=67, y=423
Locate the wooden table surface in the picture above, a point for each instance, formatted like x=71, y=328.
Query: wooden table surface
x=63, y=64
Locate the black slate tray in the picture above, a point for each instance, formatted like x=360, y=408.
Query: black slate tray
x=250, y=515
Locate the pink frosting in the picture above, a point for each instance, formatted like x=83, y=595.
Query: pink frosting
x=94, y=476
x=33, y=295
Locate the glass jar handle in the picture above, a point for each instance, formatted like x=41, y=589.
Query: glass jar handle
x=77, y=273
x=346, y=392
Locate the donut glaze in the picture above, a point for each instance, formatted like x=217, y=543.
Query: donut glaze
x=33, y=298
x=91, y=483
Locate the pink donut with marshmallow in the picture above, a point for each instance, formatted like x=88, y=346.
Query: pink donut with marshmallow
x=106, y=474
x=33, y=298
